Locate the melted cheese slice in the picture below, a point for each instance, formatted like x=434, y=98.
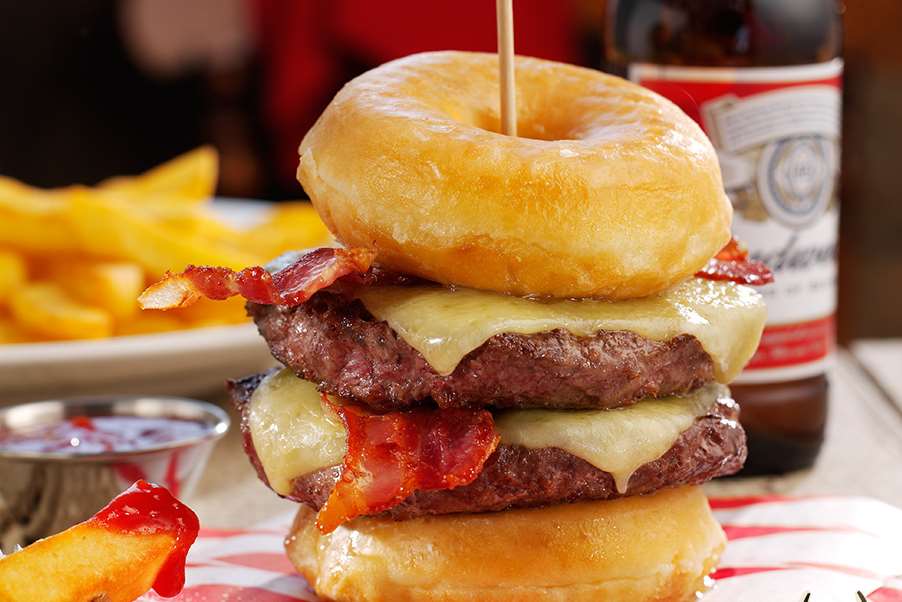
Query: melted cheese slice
x=616, y=441
x=444, y=325
x=295, y=433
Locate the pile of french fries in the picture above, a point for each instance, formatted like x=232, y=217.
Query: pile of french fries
x=74, y=260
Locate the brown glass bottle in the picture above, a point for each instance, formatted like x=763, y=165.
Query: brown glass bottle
x=762, y=77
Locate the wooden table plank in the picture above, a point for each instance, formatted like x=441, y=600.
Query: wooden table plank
x=882, y=358
x=862, y=456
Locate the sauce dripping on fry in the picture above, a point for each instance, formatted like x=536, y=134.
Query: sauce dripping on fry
x=146, y=508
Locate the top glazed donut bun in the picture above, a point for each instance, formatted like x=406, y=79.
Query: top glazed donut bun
x=609, y=190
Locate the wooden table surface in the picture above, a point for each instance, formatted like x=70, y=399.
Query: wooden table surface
x=862, y=454
x=882, y=359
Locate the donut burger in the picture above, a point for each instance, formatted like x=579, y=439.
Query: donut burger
x=510, y=380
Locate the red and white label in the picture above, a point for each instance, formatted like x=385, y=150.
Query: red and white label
x=776, y=131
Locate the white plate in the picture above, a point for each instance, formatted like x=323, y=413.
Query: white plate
x=186, y=362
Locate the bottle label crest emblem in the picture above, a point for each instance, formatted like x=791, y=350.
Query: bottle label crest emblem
x=776, y=131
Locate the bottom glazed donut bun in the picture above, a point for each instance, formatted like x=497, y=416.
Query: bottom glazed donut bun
x=658, y=547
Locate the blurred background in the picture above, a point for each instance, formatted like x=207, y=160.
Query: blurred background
x=101, y=87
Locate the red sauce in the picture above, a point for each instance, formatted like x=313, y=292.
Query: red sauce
x=100, y=434
x=145, y=508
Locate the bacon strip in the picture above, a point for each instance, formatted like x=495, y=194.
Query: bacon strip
x=291, y=285
x=732, y=263
x=733, y=251
x=392, y=455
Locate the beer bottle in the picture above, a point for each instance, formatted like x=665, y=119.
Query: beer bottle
x=763, y=79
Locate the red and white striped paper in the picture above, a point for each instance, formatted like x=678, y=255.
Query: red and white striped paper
x=780, y=550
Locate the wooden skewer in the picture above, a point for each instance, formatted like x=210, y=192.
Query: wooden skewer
x=505, y=20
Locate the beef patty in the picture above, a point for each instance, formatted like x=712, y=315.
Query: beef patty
x=334, y=341
x=516, y=477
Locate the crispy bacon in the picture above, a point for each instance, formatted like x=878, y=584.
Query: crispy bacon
x=392, y=455
x=292, y=284
x=733, y=251
x=732, y=263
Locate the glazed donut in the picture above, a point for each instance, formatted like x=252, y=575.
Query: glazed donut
x=649, y=548
x=609, y=190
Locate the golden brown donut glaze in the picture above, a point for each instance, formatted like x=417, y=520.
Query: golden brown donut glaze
x=610, y=190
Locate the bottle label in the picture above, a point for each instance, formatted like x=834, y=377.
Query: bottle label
x=776, y=131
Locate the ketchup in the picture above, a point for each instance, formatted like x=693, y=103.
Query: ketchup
x=101, y=434
x=148, y=509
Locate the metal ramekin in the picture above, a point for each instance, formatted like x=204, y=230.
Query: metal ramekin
x=44, y=493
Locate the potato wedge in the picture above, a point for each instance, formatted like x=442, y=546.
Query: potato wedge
x=110, y=285
x=12, y=273
x=137, y=541
x=83, y=564
x=45, y=309
x=190, y=178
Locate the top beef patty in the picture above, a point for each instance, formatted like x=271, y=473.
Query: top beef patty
x=334, y=341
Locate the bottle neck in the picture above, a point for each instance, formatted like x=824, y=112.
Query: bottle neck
x=728, y=33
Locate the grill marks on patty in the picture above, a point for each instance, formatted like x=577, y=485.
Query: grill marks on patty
x=334, y=341
x=516, y=476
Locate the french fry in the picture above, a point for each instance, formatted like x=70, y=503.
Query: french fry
x=189, y=178
x=211, y=313
x=11, y=332
x=11, y=188
x=111, y=285
x=193, y=221
x=45, y=309
x=116, y=230
x=84, y=562
x=22, y=198
x=148, y=322
x=290, y=226
x=19, y=196
x=38, y=223
x=12, y=273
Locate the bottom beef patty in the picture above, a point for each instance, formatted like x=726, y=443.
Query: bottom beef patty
x=516, y=477
x=332, y=340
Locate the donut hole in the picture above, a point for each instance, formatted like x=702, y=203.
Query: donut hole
x=546, y=113
x=532, y=124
